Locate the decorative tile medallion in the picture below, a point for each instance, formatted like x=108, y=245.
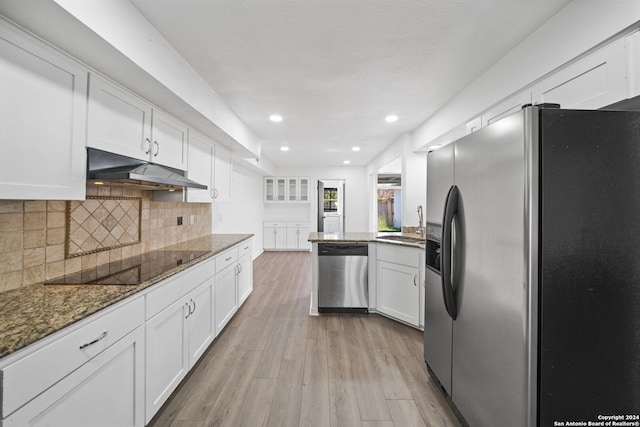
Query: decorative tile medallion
x=102, y=223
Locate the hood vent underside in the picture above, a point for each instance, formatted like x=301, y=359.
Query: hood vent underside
x=114, y=170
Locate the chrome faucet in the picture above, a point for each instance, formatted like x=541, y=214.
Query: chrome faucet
x=420, y=230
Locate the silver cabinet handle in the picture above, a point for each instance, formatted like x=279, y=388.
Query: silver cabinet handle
x=212, y=194
x=101, y=337
x=228, y=259
x=415, y=277
x=188, y=310
x=215, y=193
x=194, y=307
x=148, y=141
x=157, y=148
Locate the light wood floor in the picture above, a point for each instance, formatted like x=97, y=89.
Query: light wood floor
x=274, y=365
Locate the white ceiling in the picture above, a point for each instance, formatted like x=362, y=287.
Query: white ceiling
x=335, y=68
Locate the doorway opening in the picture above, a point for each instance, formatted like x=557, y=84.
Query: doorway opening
x=389, y=193
x=331, y=203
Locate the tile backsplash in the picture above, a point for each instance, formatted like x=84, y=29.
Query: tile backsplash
x=41, y=240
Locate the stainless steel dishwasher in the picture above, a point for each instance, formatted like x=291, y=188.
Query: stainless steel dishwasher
x=343, y=284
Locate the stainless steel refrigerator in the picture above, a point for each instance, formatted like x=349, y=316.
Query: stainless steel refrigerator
x=532, y=311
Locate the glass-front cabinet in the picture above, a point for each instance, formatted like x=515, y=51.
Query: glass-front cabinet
x=287, y=190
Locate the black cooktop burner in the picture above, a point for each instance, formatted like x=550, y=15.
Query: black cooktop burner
x=130, y=271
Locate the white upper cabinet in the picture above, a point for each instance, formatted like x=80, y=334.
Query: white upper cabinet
x=119, y=121
x=208, y=164
x=595, y=81
x=200, y=167
x=507, y=107
x=275, y=189
x=222, y=173
x=123, y=123
x=169, y=141
x=298, y=190
x=42, y=120
x=286, y=190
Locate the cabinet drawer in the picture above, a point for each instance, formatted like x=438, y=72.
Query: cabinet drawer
x=297, y=224
x=31, y=375
x=275, y=223
x=164, y=294
x=226, y=258
x=244, y=248
x=399, y=254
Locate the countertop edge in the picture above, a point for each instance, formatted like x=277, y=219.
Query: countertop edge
x=15, y=295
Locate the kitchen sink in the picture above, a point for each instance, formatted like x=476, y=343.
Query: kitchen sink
x=398, y=238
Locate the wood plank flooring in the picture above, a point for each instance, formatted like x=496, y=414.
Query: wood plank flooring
x=276, y=366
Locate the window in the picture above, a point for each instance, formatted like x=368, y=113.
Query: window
x=330, y=199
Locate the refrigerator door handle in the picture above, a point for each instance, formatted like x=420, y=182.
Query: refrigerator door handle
x=448, y=294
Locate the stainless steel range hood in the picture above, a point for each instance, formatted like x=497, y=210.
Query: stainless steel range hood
x=114, y=170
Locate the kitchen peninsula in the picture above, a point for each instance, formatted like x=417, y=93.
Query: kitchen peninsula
x=395, y=271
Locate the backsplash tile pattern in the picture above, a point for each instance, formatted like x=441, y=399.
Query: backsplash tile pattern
x=102, y=223
x=33, y=235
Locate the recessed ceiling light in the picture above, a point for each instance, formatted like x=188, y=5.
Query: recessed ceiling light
x=284, y=148
x=346, y=162
x=275, y=118
x=391, y=118
x=355, y=148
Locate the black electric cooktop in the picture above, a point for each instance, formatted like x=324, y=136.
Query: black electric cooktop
x=130, y=271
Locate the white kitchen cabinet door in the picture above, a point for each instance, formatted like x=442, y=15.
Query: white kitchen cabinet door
x=297, y=238
x=244, y=278
x=275, y=189
x=275, y=238
x=43, y=120
x=507, y=107
x=303, y=190
x=108, y=390
x=297, y=190
x=167, y=358
x=200, y=167
x=593, y=82
x=226, y=298
x=118, y=120
x=398, y=291
x=293, y=190
x=200, y=321
x=169, y=141
x=222, y=174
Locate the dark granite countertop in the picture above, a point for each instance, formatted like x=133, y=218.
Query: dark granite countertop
x=318, y=237
x=33, y=312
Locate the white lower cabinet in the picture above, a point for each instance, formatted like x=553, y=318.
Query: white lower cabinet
x=225, y=296
x=399, y=283
x=78, y=378
x=275, y=235
x=116, y=368
x=244, y=273
x=286, y=235
x=106, y=391
x=298, y=235
x=176, y=338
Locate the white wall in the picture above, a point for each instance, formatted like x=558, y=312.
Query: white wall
x=245, y=213
x=356, y=201
x=579, y=27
